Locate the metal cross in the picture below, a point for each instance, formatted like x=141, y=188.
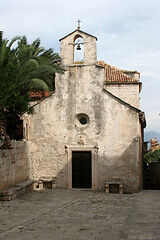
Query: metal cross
x=78, y=27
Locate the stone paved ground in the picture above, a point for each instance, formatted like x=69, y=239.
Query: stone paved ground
x=81, y=215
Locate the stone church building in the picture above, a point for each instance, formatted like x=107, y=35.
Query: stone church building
x=90, y=129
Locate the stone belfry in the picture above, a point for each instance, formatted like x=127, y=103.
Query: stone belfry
x=78, y=47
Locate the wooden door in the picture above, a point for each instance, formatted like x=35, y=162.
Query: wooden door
x=81, y=169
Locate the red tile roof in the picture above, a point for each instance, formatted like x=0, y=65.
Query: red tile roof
x=154, y=144
x=114, y=74
x=39, y=94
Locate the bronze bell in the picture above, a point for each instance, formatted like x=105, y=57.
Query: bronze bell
x=78, y=46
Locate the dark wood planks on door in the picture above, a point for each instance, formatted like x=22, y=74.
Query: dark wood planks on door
x=81, y=169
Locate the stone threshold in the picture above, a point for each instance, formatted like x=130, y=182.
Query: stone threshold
x=82, y=189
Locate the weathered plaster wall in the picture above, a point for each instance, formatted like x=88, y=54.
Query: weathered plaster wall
x=127, y=92
x=113, y=127
x=14, y=164
x=119, y=147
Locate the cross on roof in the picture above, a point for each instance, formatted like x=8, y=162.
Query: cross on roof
x=78, y=27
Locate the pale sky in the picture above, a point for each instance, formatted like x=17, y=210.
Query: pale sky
x=128, y=33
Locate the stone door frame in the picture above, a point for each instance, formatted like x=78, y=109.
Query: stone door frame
x=94, y=158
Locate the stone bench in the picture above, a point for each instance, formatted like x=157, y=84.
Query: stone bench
x=17, y=190
x=116, y=183
x=47, y=182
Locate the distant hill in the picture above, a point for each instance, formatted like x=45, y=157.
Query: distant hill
x=152, y=134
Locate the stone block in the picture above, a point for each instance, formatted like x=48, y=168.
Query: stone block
x=9, y=194
x=40, y=184
x=26, y=183
x=17, y=190
x=116, y=183
x=47, y=182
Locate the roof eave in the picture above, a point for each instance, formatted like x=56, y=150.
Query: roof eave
x=78, y=31
x=114, y=83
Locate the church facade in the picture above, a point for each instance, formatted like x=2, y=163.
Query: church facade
x=90, y=130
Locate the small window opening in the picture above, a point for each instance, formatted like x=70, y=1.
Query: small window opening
x=78, y=50
x=83, y=120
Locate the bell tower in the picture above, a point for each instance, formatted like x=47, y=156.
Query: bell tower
x=78, y=47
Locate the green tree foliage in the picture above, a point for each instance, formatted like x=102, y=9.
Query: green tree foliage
x=24, y=68
x=152, y=156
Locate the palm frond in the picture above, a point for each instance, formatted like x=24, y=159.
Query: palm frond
x=13, y=41
x=38, y=84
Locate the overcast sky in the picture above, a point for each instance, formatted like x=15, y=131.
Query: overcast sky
x=128, y=33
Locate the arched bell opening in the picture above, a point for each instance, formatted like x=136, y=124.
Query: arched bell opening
x=78, y=49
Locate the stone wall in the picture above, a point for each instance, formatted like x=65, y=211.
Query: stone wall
x=113, y=127
x=112, y=132
x=14, y=164
x=67, y=53
x=127, y=92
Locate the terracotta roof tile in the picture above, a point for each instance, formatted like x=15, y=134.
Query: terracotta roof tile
x=39, y=94
x=114, y=74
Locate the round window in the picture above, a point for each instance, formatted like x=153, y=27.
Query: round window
x=81, y=120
